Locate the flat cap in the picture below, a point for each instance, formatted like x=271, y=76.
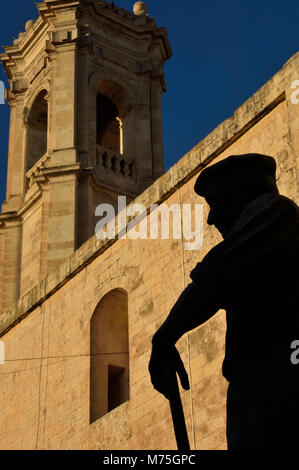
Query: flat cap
x=251, y=165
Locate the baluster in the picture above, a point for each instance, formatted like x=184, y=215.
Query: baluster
x=117, y=166
x=132, y=170
x=126, y=169
x=100, y=157
x=108, y=161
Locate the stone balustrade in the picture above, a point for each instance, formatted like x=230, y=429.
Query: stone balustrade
x=113, y=161
x=35, y=171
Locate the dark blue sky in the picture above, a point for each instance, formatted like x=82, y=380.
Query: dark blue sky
x=223, y=52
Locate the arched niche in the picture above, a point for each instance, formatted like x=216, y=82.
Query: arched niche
x=37, y=130
x=109, y=354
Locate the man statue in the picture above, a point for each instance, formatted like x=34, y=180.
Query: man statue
x=253, y=275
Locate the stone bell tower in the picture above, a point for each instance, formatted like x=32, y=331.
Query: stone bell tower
x=86, y=81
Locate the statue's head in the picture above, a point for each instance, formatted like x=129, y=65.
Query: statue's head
x=231, y=184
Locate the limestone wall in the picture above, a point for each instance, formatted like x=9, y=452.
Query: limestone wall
x=44, y=388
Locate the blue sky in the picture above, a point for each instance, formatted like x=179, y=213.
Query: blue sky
x=223, y=53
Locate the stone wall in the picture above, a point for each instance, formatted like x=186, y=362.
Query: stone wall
x=45, y=380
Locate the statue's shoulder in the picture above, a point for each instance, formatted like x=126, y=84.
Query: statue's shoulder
x=268, y=205
x=286, y=208
x=284, y=201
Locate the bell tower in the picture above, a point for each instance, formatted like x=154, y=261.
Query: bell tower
x=86, y=82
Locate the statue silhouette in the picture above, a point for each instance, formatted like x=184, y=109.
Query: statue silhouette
x=253, y=275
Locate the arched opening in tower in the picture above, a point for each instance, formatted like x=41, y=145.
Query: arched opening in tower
x=37, y=130
x=109, y=354
x=108, y=124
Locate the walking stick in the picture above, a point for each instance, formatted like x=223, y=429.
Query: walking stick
x=177, y=412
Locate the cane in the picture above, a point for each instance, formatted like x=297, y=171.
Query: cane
x=177, y=412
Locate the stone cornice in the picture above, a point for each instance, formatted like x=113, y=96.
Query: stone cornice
x=16, y=53
x=245, y=117
x=54, y=171
x=125, y=186
x=13, y=58
x=9, y=217
x=45, y=175
x=131, y=23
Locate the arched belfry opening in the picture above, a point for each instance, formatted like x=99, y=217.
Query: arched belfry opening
x=114, y=130
x=109, y=354
x=108, y=124
x=37, y=130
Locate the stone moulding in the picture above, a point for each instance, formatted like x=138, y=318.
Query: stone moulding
x=245, y=117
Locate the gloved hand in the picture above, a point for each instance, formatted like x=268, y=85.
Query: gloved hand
x=164, y=361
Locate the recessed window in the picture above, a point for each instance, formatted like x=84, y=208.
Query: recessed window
x=109, y=354
x=117, y=386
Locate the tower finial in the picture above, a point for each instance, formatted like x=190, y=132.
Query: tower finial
x=140, y=8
